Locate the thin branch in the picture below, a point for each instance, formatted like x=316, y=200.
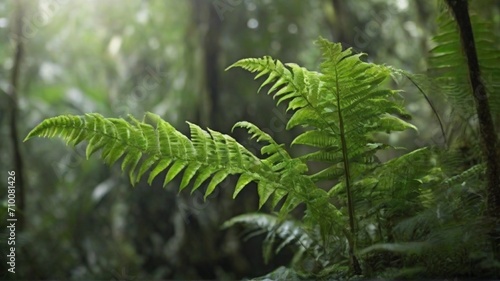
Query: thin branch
x=432, y=107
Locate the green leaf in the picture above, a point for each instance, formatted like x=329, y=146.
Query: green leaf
x=178, y=166
x=242, y=182
x=217, y=178
x=160, y=167
x=188, y=174
x=145, y=166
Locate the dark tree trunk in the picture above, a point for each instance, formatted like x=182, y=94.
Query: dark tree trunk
x=211, y=56
x=486, y=126
x=13, y=93
x=339, y=26
x=206, y=28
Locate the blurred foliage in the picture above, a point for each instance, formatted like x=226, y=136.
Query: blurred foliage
x=128, y=57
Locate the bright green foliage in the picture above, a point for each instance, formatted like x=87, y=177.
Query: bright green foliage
x=341, y=110
x=347, y=89
x=155, y=145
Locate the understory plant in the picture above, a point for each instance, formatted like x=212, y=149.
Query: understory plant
x=415, y=215
x=340, y=109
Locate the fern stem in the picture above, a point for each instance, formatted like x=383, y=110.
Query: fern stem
x=432, y=107
x=350, y=205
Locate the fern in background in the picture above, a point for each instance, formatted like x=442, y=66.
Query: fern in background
x=477, y=48
x=452, y=233
x=288, y=233
x=448, y=63
x=466, y=60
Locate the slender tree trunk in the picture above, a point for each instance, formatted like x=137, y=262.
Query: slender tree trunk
x=339, y=26
x=212, y=69
x=205, y=27
x=486, y=126
x=13, y=93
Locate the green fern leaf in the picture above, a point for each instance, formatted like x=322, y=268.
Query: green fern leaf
x=176, y=168
x=153, y=144
x=341, y=109
x=160, y=167
x=189, y=174
x=216, y=179
x=290, y=232
x=242, y=182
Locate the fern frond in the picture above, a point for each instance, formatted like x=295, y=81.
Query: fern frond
x=367, y=107
x=154, y=145
x=290, y=232
x=342, y=109
x=449, y=64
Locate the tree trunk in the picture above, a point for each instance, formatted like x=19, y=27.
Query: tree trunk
x=486, y=126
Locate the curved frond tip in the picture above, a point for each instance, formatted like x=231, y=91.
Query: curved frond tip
x=156, y=146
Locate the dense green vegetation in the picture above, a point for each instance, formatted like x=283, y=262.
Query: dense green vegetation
x=342, y=193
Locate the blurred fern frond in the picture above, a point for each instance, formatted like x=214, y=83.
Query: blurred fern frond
x=290, y=232
x=448, y=63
